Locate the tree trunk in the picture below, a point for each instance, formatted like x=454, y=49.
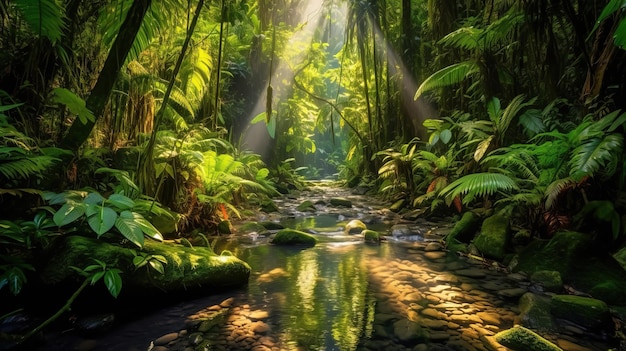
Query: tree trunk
x=96, y=102
x=601, y=54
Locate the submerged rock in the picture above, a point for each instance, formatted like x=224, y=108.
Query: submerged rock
x=548, y=280
x=535, y=312
x=293, y=237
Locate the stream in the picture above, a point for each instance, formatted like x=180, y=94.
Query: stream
x=406, y=293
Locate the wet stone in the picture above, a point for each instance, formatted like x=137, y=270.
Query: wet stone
x=471, y=273
x=165, y=339
x=435, y=255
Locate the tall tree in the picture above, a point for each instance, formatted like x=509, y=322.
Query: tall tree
x=96, y=102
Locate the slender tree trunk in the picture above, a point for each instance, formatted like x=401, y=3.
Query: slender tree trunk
x=96, y=102
x=602, y=52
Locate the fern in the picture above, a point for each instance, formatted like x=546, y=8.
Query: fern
x=597, y=153
x=478, y=185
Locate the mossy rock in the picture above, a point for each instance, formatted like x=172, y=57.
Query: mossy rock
x=340, y=202
x=272, y=225
x=293, y=237
x=585, y=311
x=224, y=227
x=269, y=206
x=397, y=206
x=557, y=254
x=493, y=239
x=371, y=236
x=549, y=280
x=535, y=312
x=355, y=226
x=186, y=268
x=306, y=206
x=519, y=338
x=250, y=227
x=465, y=229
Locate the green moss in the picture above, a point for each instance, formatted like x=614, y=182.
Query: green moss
x=558, y=254
x=493, y=238
x=535, y=312
x=340, y=202
x=306, y=206
x=519, y=338
x=293, y=237
x=585, y=311
x=549, y=280
x=269, y=206
x=354, y=226
x=465, y=229
x=186, y=267
x=371, y=236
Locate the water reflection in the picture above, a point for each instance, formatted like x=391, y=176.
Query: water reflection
x=319, y=300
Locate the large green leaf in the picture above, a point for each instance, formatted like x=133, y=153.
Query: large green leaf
x=120, y=201
x=68, y=213
x=44, y=17
x=100, y=218
x=75, y=104
x=447, y=76
x=127, y=225
x=113, y=281
x=147, y=228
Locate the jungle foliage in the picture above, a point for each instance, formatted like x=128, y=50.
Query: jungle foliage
x=143, y=120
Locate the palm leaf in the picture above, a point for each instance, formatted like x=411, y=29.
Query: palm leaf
x=555, y=189
x=447, y=76
x=478, y=184
x=467, y=38
x=44, y=17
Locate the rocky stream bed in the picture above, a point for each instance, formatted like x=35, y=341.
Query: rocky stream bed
x=406, y=293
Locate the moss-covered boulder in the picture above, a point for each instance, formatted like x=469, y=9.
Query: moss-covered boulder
x=186, y=268
x=293, y=237
x=269, y=206
x=340, y=202
x=519, y=338
x=371, y=236
x=585, y=311
x=398, y=205
x=252, y=227
x=493, y=239
x=557, y=254
x=465, y=229
x=534, y=312
x=271, y=225
x=306, y=206
x=355, y=226
x=549, y=280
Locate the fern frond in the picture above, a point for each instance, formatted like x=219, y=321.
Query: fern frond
x=467, y=38
x=596, y=153
x=447, y=76
x=478, y=185
x=555, y=189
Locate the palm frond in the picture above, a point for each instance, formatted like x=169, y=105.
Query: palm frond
x=467, y=38
x=555, y=189
x=44, y=17
x=447, y=76
x=478, y=185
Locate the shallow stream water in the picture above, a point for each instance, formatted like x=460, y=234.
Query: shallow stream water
x=406, y=293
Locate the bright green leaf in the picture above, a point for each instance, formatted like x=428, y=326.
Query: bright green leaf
x=113, y=281
x=68, y=213
x=128, y=227
x=101, y=221
x=120, y=201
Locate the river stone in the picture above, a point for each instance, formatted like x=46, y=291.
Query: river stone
x=355, y=226
x=549, y=280
x=489, y=318
x=535, y=312
x=584, y=311
x=493, y=239
x=306, y=206
x=435, y=255
x=409, y=332
x=519, y=338
x=258, y=314
x=465, y=229
x=293, y=237
x=165, y=339
x=400, y=230
x=340, y=202
x=471, y=273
